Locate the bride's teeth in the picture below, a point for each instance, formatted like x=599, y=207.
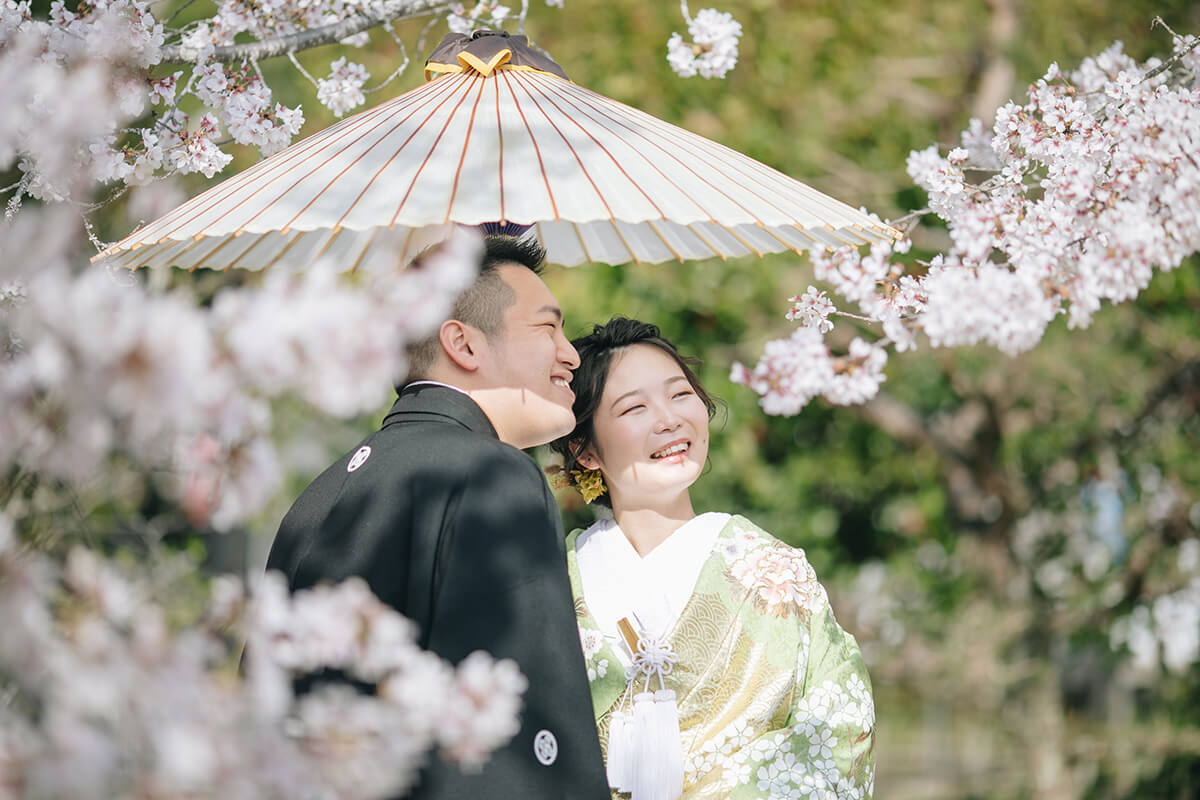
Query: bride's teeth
x=670, y=451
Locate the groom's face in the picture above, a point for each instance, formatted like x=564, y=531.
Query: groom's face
x=529, y=363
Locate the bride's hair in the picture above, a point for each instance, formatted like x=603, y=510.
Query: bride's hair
x=596, y=351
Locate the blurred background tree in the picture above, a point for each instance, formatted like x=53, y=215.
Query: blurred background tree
x=1013, y=541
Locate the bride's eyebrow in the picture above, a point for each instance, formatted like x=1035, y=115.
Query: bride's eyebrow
x=613, y=404
x=666, y=383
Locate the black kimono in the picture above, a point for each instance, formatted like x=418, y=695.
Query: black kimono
x=460, y=533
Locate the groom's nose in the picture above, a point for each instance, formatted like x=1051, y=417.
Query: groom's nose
x=567, y=354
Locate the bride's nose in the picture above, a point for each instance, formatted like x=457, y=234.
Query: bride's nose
x=667, y=421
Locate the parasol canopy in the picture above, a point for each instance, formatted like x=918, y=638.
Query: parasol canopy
x=497, y=135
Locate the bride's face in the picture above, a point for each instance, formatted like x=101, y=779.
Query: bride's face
x=651, y=428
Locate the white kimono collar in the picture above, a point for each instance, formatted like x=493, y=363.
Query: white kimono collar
x=653, y=591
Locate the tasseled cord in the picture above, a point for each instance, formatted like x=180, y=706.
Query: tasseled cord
x=645, y=751
x=620, y=731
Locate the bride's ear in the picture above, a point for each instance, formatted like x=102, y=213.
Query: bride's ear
x=588, y=459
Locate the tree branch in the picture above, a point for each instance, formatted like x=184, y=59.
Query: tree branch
x=304, y=40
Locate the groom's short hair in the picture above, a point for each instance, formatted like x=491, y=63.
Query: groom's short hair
x=482, y=304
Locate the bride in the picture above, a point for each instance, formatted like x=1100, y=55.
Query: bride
x=717, y=668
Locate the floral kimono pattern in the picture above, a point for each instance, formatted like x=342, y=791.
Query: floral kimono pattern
x=774, y=698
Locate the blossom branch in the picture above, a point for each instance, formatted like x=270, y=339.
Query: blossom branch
x=1176, y=57
x=1093, y=189
x=303, y=40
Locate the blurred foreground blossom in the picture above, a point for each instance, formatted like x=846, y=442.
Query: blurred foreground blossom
x=96, y=679
x=110, y=366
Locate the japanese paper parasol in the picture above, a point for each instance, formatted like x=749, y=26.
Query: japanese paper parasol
x=498, y=135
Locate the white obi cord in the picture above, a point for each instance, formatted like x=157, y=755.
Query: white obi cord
x=645, y=750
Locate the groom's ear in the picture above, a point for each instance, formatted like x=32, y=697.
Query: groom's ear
x=463, y=344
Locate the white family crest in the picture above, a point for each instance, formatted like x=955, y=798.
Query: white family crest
x=545, y=747
x=359, y=458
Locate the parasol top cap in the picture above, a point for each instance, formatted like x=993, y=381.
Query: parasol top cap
x=485, y=50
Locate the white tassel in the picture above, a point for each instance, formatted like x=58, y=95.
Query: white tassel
x=641, y=779
x=620, y=750
x=668, y=741
x=654, y=767
x=657, y=764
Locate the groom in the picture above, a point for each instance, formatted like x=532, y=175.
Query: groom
x=451, y=524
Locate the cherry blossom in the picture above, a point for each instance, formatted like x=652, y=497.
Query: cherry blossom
x=813, y=309
x=1166, y=631
x=342, y=90
x=481, y=15
x=1091, y=186
x=102, y=682
x=713, y=49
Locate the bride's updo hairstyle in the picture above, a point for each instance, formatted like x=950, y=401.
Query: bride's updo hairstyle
x=596, y=351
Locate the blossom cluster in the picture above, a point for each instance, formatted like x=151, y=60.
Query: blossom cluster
x=1084, y=192
x=71, y=78
x=237, y=102
x=482, y=15
x=713, y=49
x=342, y=90
x=103, y=684
x=793, y=371
x=108, y=366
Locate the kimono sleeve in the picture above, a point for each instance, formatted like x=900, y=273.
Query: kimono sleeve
x=827, y=749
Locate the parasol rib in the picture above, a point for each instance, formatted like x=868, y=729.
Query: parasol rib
x=536, y=149
x=462, y=157
x=425, y=160
x=293, y=156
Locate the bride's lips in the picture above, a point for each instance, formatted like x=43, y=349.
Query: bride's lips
x=673, y=451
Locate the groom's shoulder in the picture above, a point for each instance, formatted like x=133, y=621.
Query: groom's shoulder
x=444, y=447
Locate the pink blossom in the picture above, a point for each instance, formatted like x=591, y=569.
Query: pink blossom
x=1094, y=187
x=813, y=309
x=342, y=90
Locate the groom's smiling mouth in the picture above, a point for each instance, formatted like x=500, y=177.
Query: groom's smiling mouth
x=674, y=449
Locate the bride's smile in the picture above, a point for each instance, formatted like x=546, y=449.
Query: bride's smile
x=651, y=429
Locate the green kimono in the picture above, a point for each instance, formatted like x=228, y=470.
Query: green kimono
x=774, y=697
